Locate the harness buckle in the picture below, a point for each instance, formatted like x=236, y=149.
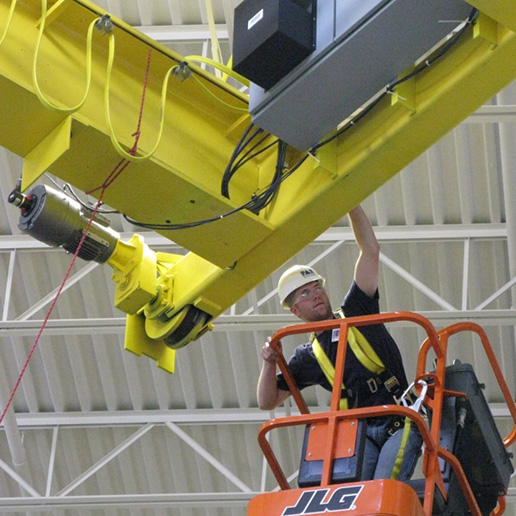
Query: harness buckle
x=395, y=425
x=391, y=384
x=373, y=385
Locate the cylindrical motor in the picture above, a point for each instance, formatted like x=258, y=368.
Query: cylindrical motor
x=58, y=220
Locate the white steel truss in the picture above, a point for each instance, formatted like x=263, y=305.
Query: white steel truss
x=24, y=325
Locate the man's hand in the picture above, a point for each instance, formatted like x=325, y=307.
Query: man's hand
x=268, y=394
x=268, y=354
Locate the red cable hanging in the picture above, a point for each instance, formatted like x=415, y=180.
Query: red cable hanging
x=112, y=176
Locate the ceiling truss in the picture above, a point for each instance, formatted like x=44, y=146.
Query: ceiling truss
x=31, y=500
x=250, y=319
x=23, y=324
x=178, y=424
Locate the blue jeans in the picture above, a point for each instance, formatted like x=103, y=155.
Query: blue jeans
x=381, y=450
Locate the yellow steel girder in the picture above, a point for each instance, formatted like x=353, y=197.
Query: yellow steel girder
x=203, y=118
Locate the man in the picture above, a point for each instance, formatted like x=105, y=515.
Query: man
x=301, y=290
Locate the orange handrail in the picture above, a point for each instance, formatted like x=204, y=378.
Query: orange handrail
x=435, y=341
x=343, y=325
x=453, y=329
x=333, y=416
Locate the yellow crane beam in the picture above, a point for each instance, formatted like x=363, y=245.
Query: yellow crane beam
x=175, y=175
x=502, y=12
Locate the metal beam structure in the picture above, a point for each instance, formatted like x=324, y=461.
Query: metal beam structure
x=225, y=258
x=140, y=425
x=348, y=171
x=24, y=325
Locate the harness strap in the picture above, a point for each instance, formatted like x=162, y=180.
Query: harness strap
x=401, y=452
x=368, y=357
x=328, y=369
x=362, y=349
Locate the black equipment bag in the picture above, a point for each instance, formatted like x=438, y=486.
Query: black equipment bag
x=468, y=431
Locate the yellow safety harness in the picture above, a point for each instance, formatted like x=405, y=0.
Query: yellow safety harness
x=368, y=357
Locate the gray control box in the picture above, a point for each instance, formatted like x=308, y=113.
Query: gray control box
x=361, y=46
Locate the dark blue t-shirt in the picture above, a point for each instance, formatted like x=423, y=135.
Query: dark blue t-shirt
x=307, y=371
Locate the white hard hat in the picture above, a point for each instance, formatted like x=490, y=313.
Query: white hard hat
x=295, y=277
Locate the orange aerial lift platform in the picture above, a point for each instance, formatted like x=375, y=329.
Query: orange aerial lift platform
x=466, y=465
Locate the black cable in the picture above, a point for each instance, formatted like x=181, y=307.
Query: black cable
x=442, y=52
x=245, y=139
x=351, y=124
x=257, y=202
x=248, y=156
x=89, y=207
x=390, y=87
x=86, y=206
x=264, y=199
x=249, y=205
x=242, y=161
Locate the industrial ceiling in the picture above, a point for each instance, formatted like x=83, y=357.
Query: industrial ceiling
x=94, y=430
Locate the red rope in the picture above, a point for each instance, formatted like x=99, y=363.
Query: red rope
x=119, y=168
x=124, y=163
x=137, y=133
x=45, y=321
